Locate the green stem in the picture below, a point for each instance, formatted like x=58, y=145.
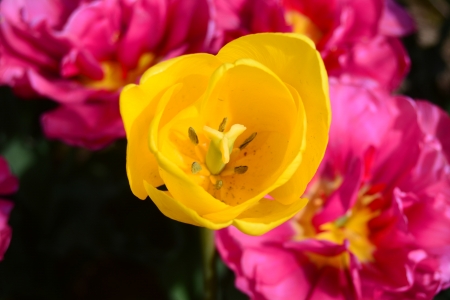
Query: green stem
x=209, y=264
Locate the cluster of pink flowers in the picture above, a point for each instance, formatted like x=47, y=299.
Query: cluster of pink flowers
x=377, y=225
x=80, y=53
x=8, y=185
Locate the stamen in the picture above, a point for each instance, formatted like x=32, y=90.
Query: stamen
x=223, y=124
x=247, y=141
x=195, y=167
x=218, y=184
x=193, y=136
x=240, y=169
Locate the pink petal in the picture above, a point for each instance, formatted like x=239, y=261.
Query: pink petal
x=91, y=125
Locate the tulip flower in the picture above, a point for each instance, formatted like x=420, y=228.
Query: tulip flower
x=81, y=53
x=377, y=225
x=223, y=132
x=8, y=185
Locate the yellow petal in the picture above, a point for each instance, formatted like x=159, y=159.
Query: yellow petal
x=141, y=164
x=179, y=212
x=248, y=93
x=186, y=191
x=163, y=75
x=289, y=158
x=266, y=215
x=233, y=211
x=138, y=106
x=296, y=185
x=294, y=59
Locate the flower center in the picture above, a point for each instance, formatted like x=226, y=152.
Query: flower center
x=115, y=76
x=302, y=24
x=215, y=160
x=351, y=227
x=220, y=146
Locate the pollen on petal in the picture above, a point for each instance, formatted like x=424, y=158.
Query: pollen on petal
x=193, y=135
x=248, y=140
x=195, y=167
x=240, y=169
x=223, y=124
x=218, y=184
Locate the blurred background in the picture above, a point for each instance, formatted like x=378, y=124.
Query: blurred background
x=79, y=233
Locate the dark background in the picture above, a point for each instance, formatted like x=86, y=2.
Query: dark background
x=79, y=233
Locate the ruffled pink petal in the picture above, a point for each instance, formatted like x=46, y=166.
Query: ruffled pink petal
x=151, y=15
x=395, y=20
x=5, y=230
x=275, y=271
x=91, y=125
x=95, y=27
x=243, y=255
x=188, y=26
x=80, y=62
x=8, y=182
x=392, y=270
x=369, y=118
x=358, y=20
x=236, y=18
x=64, y=90
x=27, y=13
x=343, y=198
x=400, y=149
x=430, y=227
x=435, y=123
x=382, y=58
x=323, y=13
x=16, y=44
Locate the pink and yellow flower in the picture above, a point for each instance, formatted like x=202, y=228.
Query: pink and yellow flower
x=377, y=225
x=8, y=185
x=80, y=53
x=360, y=37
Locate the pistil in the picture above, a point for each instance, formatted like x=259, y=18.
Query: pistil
x=221, y=146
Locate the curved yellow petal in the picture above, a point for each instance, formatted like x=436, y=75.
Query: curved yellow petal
x=233, y=211
x=294, y=59
x=177, y=211
x=180, y=185
x=195, y=67
x=292, y=158
x=138, y=106
x=141, y=163
x=296, y=185
x=235, y=93
x=266, y=215
x=250, y=94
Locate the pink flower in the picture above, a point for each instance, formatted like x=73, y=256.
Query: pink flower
x=8, y=185
x=235, y=18
x=357, y=36
x=80, y=53
x=378, y=222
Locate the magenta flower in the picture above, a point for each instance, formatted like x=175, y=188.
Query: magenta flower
x=8, y=185
x=80, y=54
x=378, y=222
x=359, y=37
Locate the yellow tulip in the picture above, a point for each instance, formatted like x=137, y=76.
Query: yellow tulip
x=234, y=137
